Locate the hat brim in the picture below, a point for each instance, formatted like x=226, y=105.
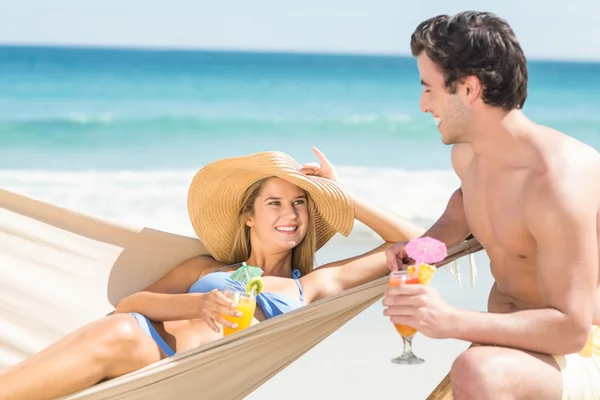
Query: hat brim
x=215, y=195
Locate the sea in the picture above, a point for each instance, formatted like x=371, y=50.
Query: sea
x=119, y=133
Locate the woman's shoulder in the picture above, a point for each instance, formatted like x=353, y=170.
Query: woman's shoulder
x=184, y=274
x=196, y=267
x=203, y=264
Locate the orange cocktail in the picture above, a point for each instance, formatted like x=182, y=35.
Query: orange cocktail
x=397, y=280
x=413, y=275
x=246, y=303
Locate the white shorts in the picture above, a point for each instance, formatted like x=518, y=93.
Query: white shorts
x=581, y=371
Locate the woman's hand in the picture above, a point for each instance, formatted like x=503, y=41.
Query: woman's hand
x=397, y=259
x=323, y=169
x=213, y=305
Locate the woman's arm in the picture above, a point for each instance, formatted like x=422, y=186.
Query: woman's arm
x=390, y=226
x=341, y=275
x=167, y=299
x=345, y=274
x=338, y=276
x=162, y=307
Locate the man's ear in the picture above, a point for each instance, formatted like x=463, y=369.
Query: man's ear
x=471, y=89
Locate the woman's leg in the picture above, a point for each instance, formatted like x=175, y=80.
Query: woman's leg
x=110, y=347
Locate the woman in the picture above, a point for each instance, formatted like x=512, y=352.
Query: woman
x=260, y=209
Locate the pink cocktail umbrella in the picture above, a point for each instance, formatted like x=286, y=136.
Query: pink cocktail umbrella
x=426, y=250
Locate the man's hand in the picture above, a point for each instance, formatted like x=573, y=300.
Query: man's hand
x=420, y=307
x=396, y=257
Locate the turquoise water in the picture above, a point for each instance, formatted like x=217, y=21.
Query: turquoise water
x=101, y=108
x=120, y=133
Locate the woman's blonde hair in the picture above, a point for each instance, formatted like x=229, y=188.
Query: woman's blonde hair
x=303, y=255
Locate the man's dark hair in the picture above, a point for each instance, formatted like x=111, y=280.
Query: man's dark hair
x=477, y=44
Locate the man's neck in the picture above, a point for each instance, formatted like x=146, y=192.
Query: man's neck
x=501, y=138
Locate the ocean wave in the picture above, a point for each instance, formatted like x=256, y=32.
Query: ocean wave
x=157, y=199
x=84, y=119
x=98, y=127
x=375, y=118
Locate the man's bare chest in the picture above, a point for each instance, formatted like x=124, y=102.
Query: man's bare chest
x=495, y=206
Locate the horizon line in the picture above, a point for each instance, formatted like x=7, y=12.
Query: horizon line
x=158, y=48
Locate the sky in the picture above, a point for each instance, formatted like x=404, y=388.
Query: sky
x=547, y=29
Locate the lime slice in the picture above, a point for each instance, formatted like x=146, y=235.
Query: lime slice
x=254, y=285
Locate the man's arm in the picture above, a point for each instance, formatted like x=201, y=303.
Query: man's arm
x=451, y=228
x=563, y=225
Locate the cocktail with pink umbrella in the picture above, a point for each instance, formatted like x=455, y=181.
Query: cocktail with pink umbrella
x=426, y=251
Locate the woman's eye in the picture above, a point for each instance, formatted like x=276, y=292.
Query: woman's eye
x=274, y=203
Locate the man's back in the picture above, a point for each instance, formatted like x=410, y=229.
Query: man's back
x=578, y=167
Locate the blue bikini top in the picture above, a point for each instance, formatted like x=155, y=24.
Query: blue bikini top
x=272, y=304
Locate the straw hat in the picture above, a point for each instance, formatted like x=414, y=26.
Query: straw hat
x=215, y=195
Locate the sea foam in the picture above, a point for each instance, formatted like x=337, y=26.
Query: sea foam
x=157, y=199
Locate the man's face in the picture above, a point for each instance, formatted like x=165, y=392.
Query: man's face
x=452, y=116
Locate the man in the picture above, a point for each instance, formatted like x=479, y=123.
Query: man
x=531, y=196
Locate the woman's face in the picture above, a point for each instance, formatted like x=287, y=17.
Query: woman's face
x=280, y=217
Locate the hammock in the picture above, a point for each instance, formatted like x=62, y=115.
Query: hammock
x=41, y=243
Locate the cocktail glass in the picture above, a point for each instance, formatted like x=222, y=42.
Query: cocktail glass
x=246, y=303
x=407, y=332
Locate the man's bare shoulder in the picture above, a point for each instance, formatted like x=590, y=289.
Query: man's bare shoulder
x=559, y=145
x=461, y=156
x=571, y=172
x=573, y=160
